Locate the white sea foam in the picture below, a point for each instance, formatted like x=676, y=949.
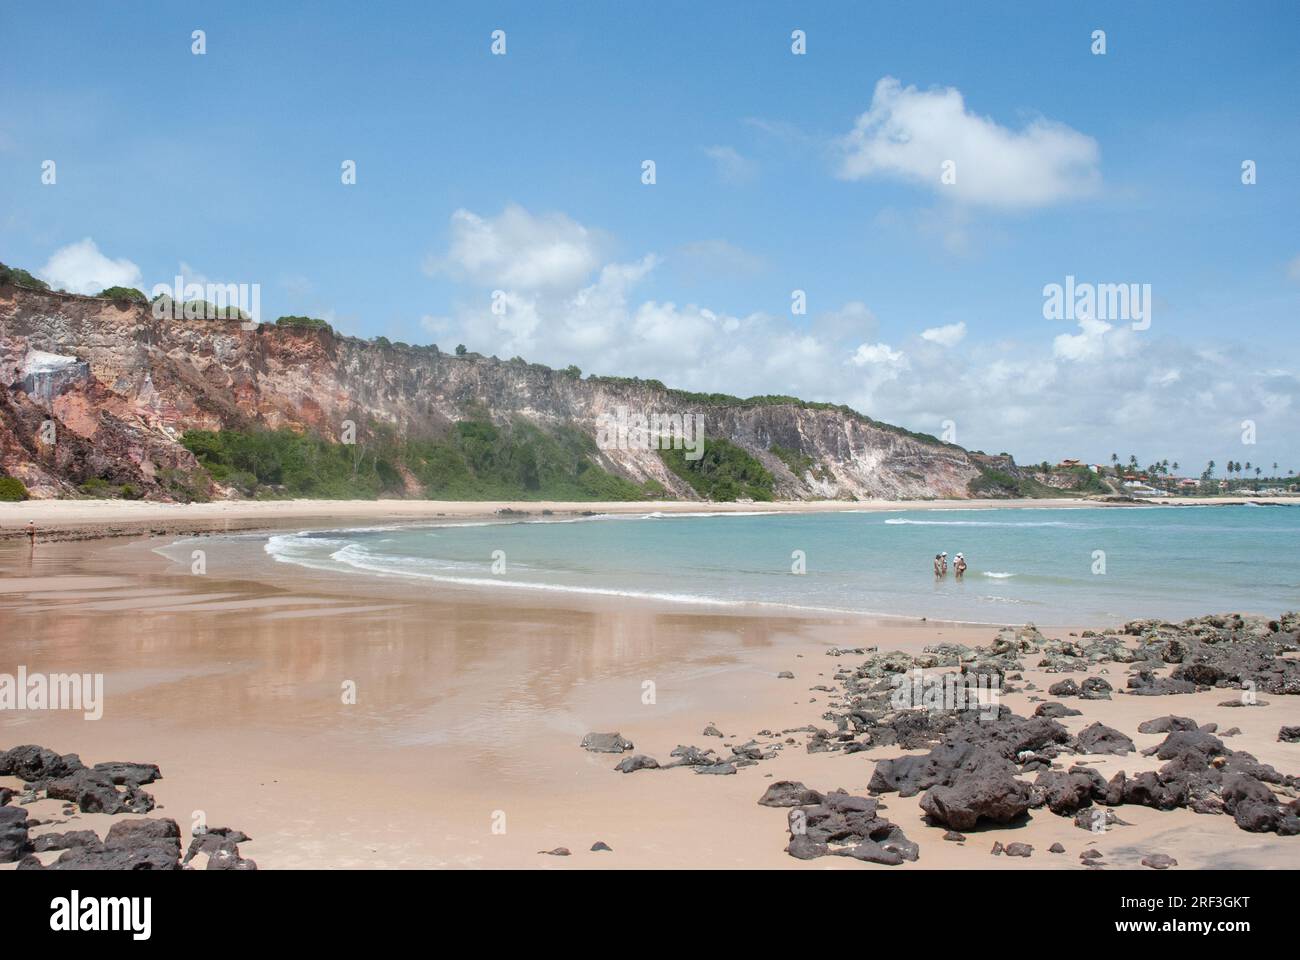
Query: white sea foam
x=898, y=521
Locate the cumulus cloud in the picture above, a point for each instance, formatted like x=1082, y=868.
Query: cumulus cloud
x=81, y=268
x=518, y=250
x=946, y=336
x=910, y=134
x=1087, y=345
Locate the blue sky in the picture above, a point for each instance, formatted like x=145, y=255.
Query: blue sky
x=522, y=173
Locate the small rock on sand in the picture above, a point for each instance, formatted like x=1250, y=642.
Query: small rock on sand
x=1159, y=861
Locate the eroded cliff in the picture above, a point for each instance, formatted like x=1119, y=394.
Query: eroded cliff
x=129, y=385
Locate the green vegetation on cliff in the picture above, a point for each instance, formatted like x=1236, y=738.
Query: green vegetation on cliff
x=303, y=323
x=724, y=472
x=12, y=490
x=123, y=293
x=475, y=460
x=21, y=278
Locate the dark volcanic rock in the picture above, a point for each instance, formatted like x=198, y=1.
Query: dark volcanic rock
x=995, y=796
x=66, y=841
x=1064, y=793
x=133, y=774
x=32, y=763
x=1019, y=850
x=605, y=743
x=717, y=769
x=14, y=843
x=1064, y=688
x=636, y=762
x=872, y=852
x=224, y=855
x=1159, y=861
x=129, y=845
x=1167, y=724
x=1053, y=710
x=1289, y=735
x=93, y=792
x=803, y=847
x=1095, y=688
x=213, y=839
x=1099, y=738
x=1144, y=683
x=789, y=793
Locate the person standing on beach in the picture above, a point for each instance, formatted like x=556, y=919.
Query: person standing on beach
x=939, y=568
x=31, y=532
x=959, y=566
x=943, y=562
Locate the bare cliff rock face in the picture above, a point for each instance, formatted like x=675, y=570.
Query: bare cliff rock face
x=120, y=387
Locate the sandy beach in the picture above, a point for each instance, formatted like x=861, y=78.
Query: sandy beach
x=88, y=519
x=462, y=746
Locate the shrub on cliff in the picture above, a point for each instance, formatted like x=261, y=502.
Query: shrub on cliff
x=479, y=460
x=123, y=293
x=303, y=323
x=20, y=278
x=724, y=472
x=12, y=490
x=275, y=463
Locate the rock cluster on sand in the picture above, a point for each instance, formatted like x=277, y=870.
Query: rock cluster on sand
x=838, y=824
x=979, y=754
x=136, y=844
x=971, y=776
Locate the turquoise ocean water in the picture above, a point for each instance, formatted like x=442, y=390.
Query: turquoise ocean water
x=1025, y=564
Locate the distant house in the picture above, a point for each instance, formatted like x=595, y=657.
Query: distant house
x=1223, y=485
x=1141, y=489
x=1187, y=483
x=1070, y=463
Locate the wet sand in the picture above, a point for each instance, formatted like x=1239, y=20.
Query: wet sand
x=470, y=705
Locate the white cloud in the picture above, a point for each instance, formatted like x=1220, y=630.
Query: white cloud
x=946, y=336
x=879, y=354
x=517, y=250
x=1088, y=345
x=81, y=268
x=732, y=167
x=909, y=134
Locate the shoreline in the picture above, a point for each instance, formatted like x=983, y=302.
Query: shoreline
x=97, y=519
